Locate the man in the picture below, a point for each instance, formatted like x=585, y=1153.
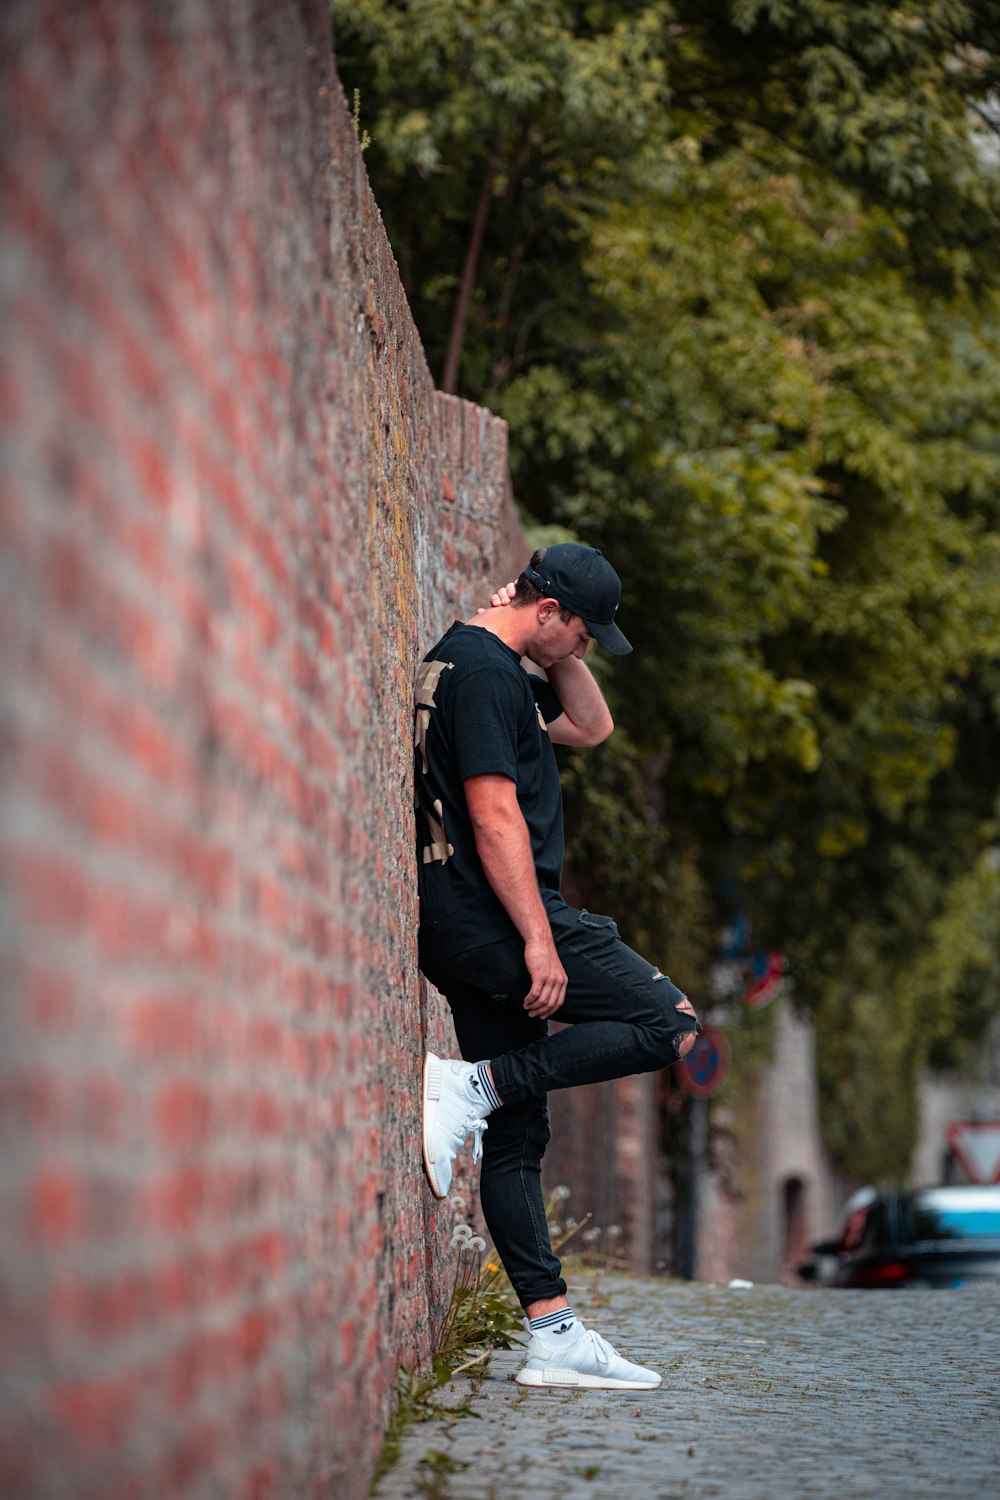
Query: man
x=501, y=944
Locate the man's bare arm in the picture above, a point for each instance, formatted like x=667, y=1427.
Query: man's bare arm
x=504, y=847
x=586, y=718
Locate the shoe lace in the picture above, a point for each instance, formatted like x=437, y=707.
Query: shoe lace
x=601, y=1347
x=477, y=1125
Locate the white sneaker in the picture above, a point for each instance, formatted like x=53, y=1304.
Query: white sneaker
x=583, y=1362
x=452, y=1112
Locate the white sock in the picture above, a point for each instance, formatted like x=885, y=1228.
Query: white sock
x=560, y=1324
x=480, y=1087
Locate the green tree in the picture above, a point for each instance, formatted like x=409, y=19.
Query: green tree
x=729, y=271
x=491, y=118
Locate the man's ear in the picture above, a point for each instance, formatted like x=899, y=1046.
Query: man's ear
x=546, y=609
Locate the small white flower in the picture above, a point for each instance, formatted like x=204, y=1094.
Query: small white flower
x=477, y=1243
x=561, y=1193
x=614, y=1231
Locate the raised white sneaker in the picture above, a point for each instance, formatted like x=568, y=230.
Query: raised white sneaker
x=452, y=1112
x=585, y=1362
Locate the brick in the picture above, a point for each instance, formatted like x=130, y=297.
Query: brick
x=52, y=891
x=263, y=1481
x=166, y=1025
x=96, y=1414
x=184, y=1115
x=55, y=1207
x=104, y=1312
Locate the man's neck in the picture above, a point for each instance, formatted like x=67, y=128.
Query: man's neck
x=512, y=626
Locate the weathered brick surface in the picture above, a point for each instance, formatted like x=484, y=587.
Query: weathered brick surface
x=233, y=510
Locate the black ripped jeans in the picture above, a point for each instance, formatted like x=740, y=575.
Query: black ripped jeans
x=625, y=1020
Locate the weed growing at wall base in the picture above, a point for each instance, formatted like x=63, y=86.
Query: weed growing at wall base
x=483, y=1311
x=415, y=1402
x=483, y=1314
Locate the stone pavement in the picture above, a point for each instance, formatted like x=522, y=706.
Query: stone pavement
x=768, y=1393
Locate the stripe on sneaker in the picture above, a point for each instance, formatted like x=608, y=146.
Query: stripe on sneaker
x=486, y=1085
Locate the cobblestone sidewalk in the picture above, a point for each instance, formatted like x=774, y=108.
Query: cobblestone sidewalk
x=768, y=1394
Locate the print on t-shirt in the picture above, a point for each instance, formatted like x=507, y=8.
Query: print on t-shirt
x=437, y=846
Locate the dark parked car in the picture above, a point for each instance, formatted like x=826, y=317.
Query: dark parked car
x=940, y=1237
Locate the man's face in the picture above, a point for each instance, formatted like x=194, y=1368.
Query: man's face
x=556, y=638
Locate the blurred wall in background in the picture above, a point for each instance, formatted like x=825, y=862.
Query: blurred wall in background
x=234, y=510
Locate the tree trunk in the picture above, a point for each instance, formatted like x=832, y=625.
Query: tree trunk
x=467, y=283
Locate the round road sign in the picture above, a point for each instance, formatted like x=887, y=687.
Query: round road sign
x=705, y=1068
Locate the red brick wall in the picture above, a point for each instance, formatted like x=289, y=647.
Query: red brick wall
x=233, y=510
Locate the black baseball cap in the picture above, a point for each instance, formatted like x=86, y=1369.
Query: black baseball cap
x=583, y=581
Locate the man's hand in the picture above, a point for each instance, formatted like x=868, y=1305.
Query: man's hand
x=503, y=595
x=548, y=978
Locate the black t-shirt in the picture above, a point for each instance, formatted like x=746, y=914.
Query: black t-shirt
x=478, y=713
